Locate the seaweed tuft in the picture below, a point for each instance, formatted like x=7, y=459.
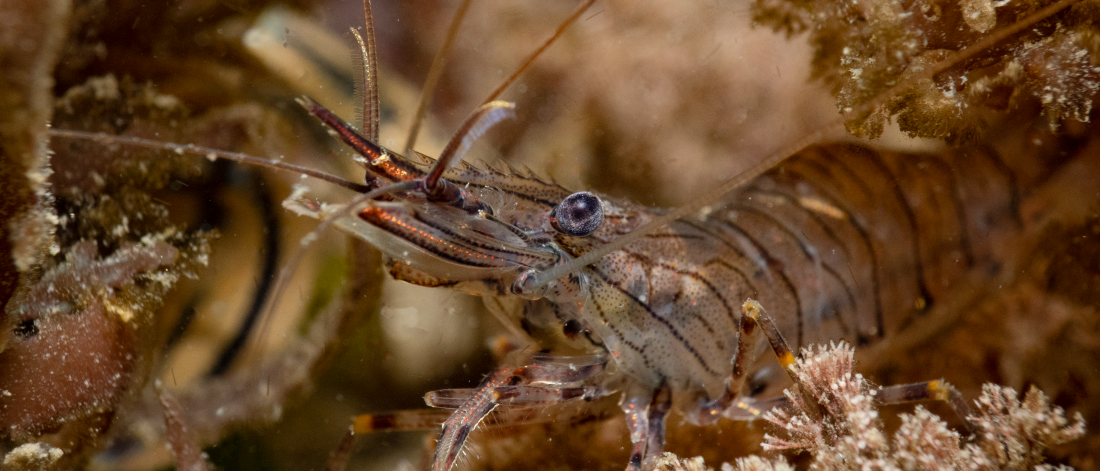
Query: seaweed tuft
x=864, y=48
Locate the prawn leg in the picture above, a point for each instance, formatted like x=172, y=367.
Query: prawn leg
x=938, y=390
x=519, y=396
x=645, y=418
x=508, y=386
x=709, y=413
x=753, y=313
x=522, y=411
x=545, y=369
x=459, y=425
x=399, y=421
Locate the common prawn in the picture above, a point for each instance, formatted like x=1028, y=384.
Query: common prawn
x=675, y=290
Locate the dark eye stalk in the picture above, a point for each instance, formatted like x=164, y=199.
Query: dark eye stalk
x=579, y=214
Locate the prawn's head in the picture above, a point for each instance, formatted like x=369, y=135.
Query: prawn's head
x=489, y=228
x=448, y=223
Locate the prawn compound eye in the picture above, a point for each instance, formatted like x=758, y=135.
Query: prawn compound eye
x=579, y=214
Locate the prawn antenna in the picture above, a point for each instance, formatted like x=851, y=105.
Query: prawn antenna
x=356, y=204
x=434, y=74
x=210, y=154
x=437, y=65
x=534, y=55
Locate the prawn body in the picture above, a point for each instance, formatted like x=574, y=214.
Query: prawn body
x=665, y=309
x=667, y=306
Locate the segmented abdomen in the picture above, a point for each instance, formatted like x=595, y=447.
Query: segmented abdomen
x=864, y=241
x=839, y=241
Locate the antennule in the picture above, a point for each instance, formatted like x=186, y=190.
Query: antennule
x=209, y=153
x=480, y=121
x=367, y=85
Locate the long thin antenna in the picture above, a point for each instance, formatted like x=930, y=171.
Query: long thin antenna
x=209, y=153
x=534, y=55
x=541, y=279
x=287, y=271
x=437, y=66
x=434, y=74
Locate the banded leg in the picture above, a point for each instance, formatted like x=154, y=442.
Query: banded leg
x=550, y=369
x=510, y=386
x=517, y=396
x=752, y=309
x=338, y=459
x=400, y=421
x=645, y=418
x=938, y=390
x=748, y=408
x=546, y=370
x=658, y=410
x=897, y=394
x=423, y=420
x=459, y=425
x=637, y=422
x=746, y=343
